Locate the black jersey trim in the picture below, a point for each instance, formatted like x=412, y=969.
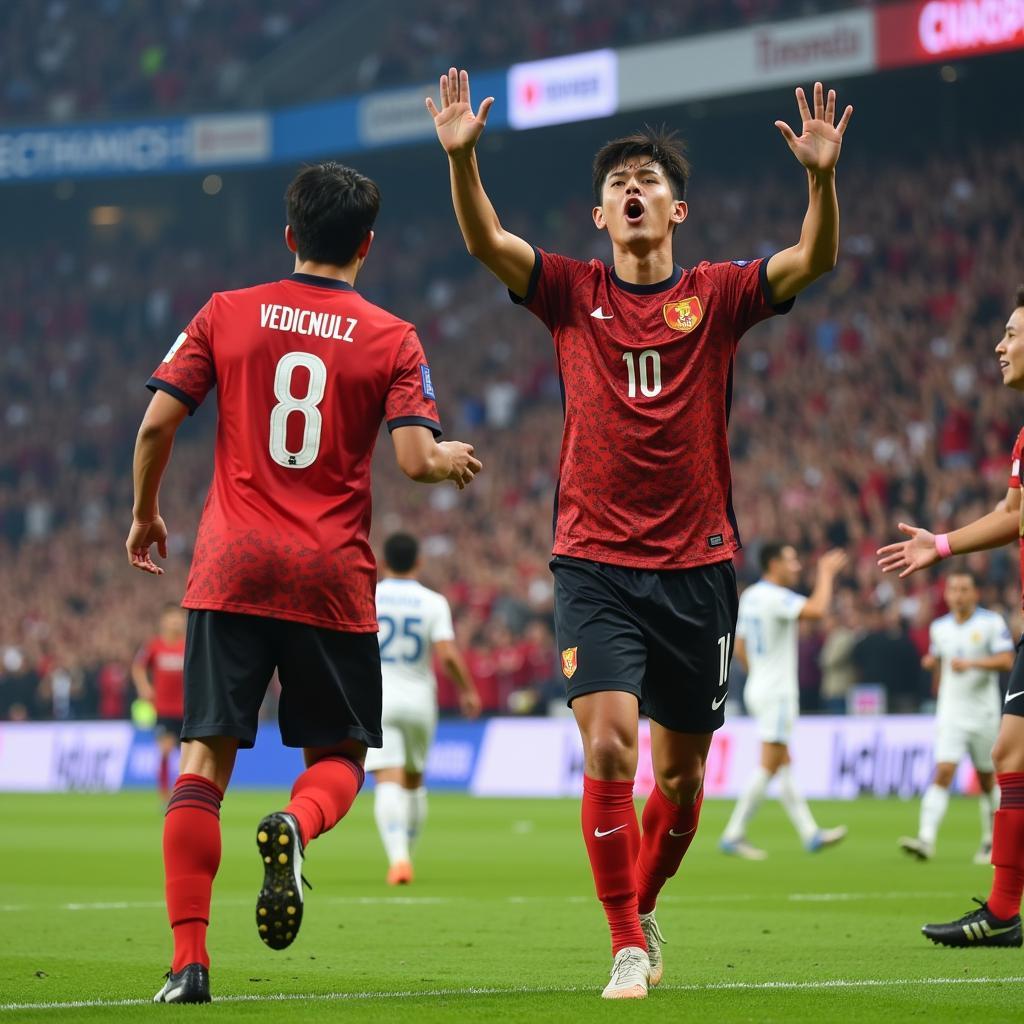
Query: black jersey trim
x=322, y=282
x=730, y=512
x=531, y=288
x=155, y=384
x=648, y=289
x=766, y=290
x=416, y=421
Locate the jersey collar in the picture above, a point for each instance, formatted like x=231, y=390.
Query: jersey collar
x=322, y=282
x=649, y=289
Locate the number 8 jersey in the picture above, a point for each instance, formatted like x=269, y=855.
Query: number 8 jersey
x=305, y=370
x=646, y=374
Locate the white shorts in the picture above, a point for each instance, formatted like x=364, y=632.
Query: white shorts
x=775, y=716
x=954, y=741
x=408, y=723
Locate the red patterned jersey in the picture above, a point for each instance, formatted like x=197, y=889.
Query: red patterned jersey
x=305, y=370
x=1018, y=454
x=646, y=375
x=165, y=663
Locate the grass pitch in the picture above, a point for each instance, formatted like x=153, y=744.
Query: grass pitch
x=501, y=923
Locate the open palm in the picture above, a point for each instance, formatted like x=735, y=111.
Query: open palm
x=818, y=146
x=458, y=128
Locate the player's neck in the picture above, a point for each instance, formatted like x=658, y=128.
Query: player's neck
x=348, y=273
x=962, y=617
x=400, y=576
x=650, y=266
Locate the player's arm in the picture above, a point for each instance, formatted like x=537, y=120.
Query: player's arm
x=739, y=651
x=457, y=670
x=427, y=461
x=999, y=527
x=143, y=685
x=152, y=453
x=830, y=565
x=505, y=255
x=1001, y=662
x=817, y=148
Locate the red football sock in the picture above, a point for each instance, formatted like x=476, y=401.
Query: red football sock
x=668, y=831
x=612, y=836
x=191, y=859
x=164, y=780
x=1008, y=847
x=323, y=793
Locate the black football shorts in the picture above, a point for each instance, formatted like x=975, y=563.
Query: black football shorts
x=330, y=681
x=1014, y=701
x=665, y=636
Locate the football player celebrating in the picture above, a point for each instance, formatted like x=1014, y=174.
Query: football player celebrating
x=996, y=922
x=645, y=592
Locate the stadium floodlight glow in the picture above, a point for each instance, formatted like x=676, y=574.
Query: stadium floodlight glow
x=563, y=89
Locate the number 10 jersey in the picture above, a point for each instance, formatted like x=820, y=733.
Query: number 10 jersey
x=305, y=370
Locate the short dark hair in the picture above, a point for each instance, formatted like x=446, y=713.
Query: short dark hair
x=401, y=551
x=770, y=551
x=331, y=209
x=1019, y=297
x=658, y=145
x=964, y=572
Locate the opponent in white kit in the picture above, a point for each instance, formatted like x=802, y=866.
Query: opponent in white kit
x=972, y=645
x=414, y=622
x=766, y=643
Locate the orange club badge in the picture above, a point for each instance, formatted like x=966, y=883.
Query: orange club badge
x=569, y=662
x=683, y=315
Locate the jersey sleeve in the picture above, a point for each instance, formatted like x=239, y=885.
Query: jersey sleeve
x=1018, y=450
x=742, y=286
x=1000, y=639
x=187, y=371
x=441, y=627
x=410, y=400
x=144, y=656
x=787, y=605
x=551, y=286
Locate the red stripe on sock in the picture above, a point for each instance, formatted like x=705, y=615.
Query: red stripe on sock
x=612, y=835
x=668, y=831
x=1008, y=847
x=323, y=794
x=191, y=860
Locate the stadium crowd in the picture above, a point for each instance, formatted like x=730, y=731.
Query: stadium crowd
x=877, y=399
x=114, y=58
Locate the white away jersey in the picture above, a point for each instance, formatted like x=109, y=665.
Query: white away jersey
x=767, y=622
x=970, y=696
x=412, y=619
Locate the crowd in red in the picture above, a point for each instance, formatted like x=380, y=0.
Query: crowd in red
x=877, y=399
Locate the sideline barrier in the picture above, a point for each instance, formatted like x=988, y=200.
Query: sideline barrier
x=834, y=757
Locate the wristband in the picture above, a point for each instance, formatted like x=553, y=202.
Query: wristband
x=942, y=545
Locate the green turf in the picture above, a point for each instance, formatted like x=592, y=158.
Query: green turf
x=502, y=901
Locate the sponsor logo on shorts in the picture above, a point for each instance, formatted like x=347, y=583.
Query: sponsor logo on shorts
x=569, y=662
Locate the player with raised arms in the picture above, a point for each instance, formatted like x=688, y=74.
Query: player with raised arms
x=415, y=625
x=283, y=574
x=996, y=921
x=969, y=646
x=645, y=592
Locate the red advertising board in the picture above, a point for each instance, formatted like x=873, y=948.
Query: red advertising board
x=938, y=30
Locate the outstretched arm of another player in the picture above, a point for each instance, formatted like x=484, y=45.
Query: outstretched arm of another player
x=152, y=453
x=505, y=255
x=817, y=148
x=920, y=551
x=143, y=686
x=830, y=565
x=426, y=461
x=456, y=669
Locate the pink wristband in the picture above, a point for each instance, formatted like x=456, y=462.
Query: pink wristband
x=942, y=545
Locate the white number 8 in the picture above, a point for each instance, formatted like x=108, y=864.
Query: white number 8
x=307, y=406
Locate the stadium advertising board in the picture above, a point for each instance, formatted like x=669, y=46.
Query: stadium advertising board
x=934, y=30
x=563, y=89
x=44, y=757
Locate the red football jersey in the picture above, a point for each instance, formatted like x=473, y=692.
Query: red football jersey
x=1018, y=454
x=165, y=664
x=305, y=370
x=646, y=372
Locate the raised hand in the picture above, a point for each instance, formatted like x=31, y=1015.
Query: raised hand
x=818, y=145
x=140, y=539
x=909, y=555
x=833, y=562
x=463, y=466
x=458, y=128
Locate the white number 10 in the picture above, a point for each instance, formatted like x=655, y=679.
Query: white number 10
x=649, y=366
x=724, y=644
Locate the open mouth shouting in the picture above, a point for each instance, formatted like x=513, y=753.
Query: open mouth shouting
x=634, y=210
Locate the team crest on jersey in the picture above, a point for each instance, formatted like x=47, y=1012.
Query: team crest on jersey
x=683, y=315
x=569, y=662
